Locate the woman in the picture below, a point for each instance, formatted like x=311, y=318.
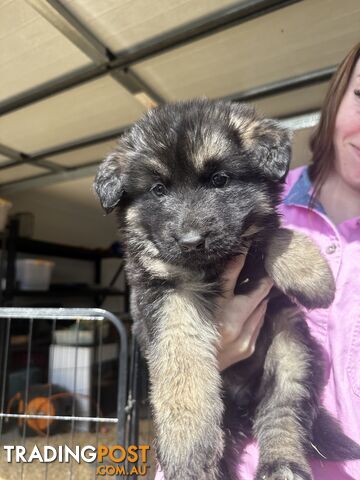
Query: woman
x=323, y=201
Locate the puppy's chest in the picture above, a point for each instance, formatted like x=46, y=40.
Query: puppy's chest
x=200, y=287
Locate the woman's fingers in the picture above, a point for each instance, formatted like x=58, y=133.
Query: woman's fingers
x=239, y=317
x=231, y=275
x=235, y=310
x=243, y=346
x=261, y=291
x=252, y=328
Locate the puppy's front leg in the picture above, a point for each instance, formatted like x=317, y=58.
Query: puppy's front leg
x=185, y=388
x=299, y=270
x=284, y=417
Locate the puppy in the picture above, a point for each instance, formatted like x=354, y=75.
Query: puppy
x=195, y=184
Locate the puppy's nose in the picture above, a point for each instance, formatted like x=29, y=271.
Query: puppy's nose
x=191, y=241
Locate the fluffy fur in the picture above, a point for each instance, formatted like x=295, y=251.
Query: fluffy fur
x=195, y=184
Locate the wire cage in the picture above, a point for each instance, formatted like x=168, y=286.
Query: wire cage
x=69, y=387
x=139, y=420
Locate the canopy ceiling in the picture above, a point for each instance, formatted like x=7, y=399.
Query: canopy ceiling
x=76, y=73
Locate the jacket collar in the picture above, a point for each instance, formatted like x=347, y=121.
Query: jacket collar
x=300, y=193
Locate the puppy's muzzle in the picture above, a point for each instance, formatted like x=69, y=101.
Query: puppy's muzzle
x=191, y=241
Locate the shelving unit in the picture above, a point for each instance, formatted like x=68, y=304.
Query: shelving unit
x=12, y=244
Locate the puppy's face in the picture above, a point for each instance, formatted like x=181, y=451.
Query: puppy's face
x=193, y=181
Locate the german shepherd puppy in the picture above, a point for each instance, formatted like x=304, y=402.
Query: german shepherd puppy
x=195, y=184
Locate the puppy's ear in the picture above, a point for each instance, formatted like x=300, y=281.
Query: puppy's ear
x=109, y=183
x=272, y=148
x=267, y=141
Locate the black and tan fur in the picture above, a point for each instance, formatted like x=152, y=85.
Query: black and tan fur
x=203, y=418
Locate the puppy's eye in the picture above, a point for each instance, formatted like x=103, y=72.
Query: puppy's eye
x=159, y=190
x=219, y=179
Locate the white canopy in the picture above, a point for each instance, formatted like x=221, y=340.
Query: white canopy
x=75, y=73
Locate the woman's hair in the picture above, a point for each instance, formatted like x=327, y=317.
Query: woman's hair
x=321, y=141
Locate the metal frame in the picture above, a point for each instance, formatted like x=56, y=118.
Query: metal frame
x=282, y=86
x=118, y=65
x=297, y=122
x=50, y=178
x=203, y=27
x=95, y=314
x=78, y=34
x=19, y=158
x=74, y=30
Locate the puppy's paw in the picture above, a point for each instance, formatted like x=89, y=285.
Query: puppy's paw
x=299, y=270
x=283, y=470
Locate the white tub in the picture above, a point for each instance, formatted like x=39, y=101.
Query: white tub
x=34, y=274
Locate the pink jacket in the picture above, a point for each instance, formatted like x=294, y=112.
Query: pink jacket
x=337, y=329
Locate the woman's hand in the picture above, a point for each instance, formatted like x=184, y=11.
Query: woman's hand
x=240, y=317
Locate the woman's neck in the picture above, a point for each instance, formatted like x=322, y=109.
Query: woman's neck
x=340, y=201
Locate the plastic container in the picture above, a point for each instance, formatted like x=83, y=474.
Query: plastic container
x=34, y=274
x=5, y=206
x=82, y=334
